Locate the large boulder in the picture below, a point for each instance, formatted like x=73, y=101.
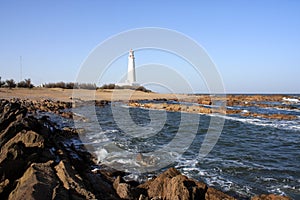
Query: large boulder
x=38, y=161
x=173, y=185
x=123, y=189
x=72, y=181
x=39, y=181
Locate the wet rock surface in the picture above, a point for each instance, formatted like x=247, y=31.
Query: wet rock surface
x=206, y=104
x=40, y=161
x=270, y=197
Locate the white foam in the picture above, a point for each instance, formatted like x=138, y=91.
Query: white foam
x=269, y=179
x=101, y=154
x=100, y=134
x=77, y=114
x=285, y=125
x=276, y=189
x=292, y=100
x=286, y=109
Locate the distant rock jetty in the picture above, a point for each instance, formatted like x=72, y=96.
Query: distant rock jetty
x=204, y=104
x=38, y=160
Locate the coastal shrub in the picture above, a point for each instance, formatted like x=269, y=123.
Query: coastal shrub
x=61, y=85
x=25, y=84
x=129, y=87
x=143, y=89
x=55, y=85
x=10, y=83
x=87, y=86
x=71, y=85
x=109, y=86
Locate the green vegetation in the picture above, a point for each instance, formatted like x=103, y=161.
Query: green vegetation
x=10, y=83
x=25, y=84
x=87, y=86
x=114, y=86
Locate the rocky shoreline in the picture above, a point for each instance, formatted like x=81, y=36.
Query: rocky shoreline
x=204, y=104
x=38, y=160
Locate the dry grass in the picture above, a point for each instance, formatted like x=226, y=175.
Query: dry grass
x=67, y=94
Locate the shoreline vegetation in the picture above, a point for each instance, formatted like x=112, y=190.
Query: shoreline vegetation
x=40, y=160
x=26, y=83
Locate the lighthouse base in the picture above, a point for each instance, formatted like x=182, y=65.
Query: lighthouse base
x=127, y=83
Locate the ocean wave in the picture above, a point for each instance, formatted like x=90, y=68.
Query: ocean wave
x=217, y=169
x=100, y=134
x=284, y=125
x=285, y=109
x=292, y=100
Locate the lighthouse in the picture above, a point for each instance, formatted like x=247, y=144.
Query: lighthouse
x=131, y=78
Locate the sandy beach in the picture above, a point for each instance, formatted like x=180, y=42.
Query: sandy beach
x=65, y=95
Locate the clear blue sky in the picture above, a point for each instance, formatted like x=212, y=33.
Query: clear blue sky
x=254, y=44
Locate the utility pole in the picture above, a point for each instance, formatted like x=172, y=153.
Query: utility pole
x=20, y=68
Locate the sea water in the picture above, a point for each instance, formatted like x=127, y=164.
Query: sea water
x=251, y=156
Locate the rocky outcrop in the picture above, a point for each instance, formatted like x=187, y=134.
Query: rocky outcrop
x=270, y=116
x=173, y=185
x=39, y=161
x=270, y=197
x=39, y=180
x=45, y=105
x=203, y=108
x=176, y=107
x=170, y=185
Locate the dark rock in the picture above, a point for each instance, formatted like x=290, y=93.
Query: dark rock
x=37, y=162
x=270, y=197
x=38, y=182
x=10, y=112
x=102, y=187
x=123, y=189
x=128, y=190
x=213, y=194
x=72, y=180
x=68, y=115
x=101, y=103
x=172, y=185
x=205, y=101
x=3, y=184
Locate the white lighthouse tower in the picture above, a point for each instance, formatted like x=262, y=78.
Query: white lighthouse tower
x=131, y=78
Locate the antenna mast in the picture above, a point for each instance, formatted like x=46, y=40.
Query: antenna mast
x=20, y=68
